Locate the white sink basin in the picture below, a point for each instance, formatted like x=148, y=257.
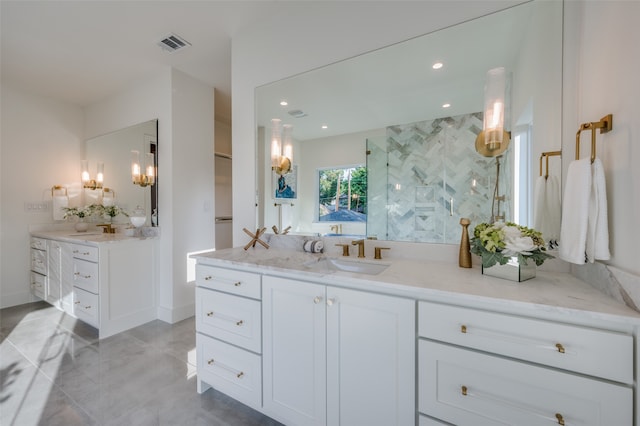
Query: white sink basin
x=346, y=265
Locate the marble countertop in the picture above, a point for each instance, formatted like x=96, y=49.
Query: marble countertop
x=91, y=237
x=552, y=293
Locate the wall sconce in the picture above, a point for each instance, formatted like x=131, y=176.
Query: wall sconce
x=281, y=147
x=493, y=140
x=87, y=182
x=147, y=178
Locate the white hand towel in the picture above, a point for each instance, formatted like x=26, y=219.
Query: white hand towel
x=575, y=212
x=547, y=209
x=539, y=203
x=553, y=210
x=598, y=231
x=58, y=203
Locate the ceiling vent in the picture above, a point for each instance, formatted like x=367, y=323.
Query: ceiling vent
x=173, y=43
x=297, y=113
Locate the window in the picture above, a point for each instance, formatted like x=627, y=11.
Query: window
x=342, y=194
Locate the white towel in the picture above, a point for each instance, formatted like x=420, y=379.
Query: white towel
x=597, y=230
x=547, y=209
x=554, y=210
x=575, y=212
x=58, y=203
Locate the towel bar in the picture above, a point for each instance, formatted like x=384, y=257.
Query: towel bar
x=605, y=124
x=547, y=155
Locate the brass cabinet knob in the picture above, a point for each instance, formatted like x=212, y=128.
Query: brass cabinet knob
x=464, y=390
x=560, y=419
x=560, y=348
x=463, y=329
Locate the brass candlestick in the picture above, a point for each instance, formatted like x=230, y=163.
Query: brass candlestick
x=464, y=258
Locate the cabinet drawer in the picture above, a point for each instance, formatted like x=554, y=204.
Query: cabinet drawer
x=470, y=388
x=594, y=352
x=89, y=253
x=230, y=318
x=85, y=275
x=39, y=261
x=38, y=284
x=85, y=306
x=428, y=421
x=38, y=243
x=237, y=282
x=229, y=369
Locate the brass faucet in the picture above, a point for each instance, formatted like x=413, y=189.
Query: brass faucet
x=378, y=252
x=345, y=249
x=107, y=228
x=337, y=229
x=360, y=244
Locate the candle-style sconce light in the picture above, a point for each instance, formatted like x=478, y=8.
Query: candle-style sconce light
x=87, y=181
x=143, y=175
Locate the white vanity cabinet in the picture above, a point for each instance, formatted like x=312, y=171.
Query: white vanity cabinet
x=337, y=356
x=229, y=333
x=109, y=285
x=478, y=367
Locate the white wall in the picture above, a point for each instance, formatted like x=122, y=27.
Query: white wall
x=315, y=35
x=184, y=109
x=602, y=69
x=41, y=142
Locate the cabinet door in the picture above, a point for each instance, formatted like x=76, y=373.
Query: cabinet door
x=294, y=351
x=472, y=388
x=370, y=359
x=54, y=275
x=66, y=278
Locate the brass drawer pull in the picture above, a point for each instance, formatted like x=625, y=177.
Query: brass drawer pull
x=238, y=374
x=561, y=350
x=464, y=390
x=463, y=329
x=208, y=278
x=237, y=283
x=77, y=302
x=88, y=307
x=560, y=419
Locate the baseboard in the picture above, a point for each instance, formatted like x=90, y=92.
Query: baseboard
x=20, y=298
x=174, y=315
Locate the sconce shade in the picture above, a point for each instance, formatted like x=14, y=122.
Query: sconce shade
x=85, y=176
x=281, y=147
x=493, y=140
x=149, y=176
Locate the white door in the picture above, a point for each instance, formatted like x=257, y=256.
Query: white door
x=294, y=351
x=370, y=359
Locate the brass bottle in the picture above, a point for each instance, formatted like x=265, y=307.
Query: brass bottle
x=464, y=258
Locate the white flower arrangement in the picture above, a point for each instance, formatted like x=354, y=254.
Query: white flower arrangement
x=498, y=242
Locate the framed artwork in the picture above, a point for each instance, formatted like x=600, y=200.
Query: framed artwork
x=285, y=187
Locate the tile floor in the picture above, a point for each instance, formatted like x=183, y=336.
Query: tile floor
x=54, y=371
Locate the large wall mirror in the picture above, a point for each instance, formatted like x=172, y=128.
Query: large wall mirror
x=114, y=150
x=414, y=127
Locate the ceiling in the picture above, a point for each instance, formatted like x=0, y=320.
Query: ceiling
x=83, y=51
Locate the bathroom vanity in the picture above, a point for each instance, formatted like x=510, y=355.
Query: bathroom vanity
x=105, y=280
x=307, y=342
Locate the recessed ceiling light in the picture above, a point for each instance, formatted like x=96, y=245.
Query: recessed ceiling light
x=437, y=65
x=324, y=126
x=446, y=105
x=284, y=103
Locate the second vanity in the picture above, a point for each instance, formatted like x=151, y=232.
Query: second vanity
x=420, y=343
x=105, y=280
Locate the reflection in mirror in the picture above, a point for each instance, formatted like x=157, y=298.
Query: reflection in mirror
x=415, y=127
x=114, y=149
